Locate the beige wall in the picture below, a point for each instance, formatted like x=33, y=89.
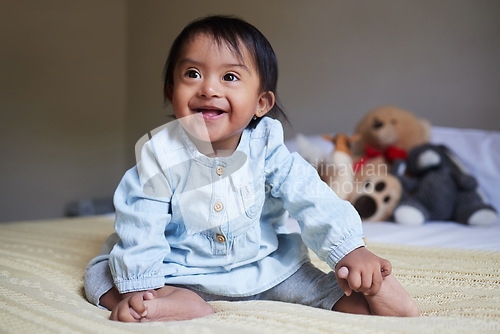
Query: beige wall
x=62, y=102
x=81, y=80
x=338, y=59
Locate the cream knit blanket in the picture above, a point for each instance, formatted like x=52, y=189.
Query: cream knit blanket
x=42, y=265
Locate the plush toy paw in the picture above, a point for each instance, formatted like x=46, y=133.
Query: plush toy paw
x=375, y=197
x=408, y=215
x=483, y=217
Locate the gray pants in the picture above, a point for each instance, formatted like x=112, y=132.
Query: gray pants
x=307, y=286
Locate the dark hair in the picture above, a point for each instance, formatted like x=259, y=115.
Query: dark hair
x=232, y=31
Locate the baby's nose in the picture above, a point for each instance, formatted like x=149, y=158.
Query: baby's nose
x=211, y=88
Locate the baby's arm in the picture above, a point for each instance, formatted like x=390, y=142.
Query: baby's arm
x=362, y=271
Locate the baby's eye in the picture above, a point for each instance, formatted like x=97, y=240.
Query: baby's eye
x=230, y=77
x=193, y=74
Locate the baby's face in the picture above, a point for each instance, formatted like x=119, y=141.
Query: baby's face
x=216, y=93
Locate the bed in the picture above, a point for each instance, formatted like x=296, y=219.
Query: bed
x=452, y=271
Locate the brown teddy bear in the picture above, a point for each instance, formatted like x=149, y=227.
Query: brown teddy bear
x=372, y=190
x=390, y=132
x=383, y=135
x=358, y=168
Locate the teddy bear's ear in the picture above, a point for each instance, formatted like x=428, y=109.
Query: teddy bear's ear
x=426, y=128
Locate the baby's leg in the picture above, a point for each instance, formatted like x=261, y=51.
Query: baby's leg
x=110, y=299
x=391, y=300
x=355, y=303
x=165, y=304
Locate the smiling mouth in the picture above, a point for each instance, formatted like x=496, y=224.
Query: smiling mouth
x=210, y=113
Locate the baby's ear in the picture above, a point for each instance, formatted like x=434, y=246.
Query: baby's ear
x=168, y=93
x=265, y=103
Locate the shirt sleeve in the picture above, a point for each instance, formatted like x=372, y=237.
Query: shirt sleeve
x=330, y=226
x=142, y=203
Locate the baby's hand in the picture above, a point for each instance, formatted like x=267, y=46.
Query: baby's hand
x=132, y=307
x=362, y=271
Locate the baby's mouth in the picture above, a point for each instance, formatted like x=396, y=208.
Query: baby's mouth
x=210, y=113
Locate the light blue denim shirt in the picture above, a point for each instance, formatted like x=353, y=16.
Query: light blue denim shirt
x=217, y=224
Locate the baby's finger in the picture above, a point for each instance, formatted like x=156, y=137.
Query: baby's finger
x=376, y=284
x=354, y=280
x=343, y=272
x=342, y=275
x=345, y=286
x=386, y=268
x=366, y=282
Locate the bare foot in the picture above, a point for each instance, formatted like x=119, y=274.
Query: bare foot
x=174, y=304
x=132, y=307
x=392, y=300
x=165, y=304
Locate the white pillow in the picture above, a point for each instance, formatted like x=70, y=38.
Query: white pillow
x=479, y=151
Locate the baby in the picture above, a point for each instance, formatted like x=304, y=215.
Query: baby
x=201, y=217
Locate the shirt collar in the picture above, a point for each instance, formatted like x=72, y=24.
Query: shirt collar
x=224, y=161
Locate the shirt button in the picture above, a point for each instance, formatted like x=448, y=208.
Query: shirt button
x=218, y=206
x=221, y=238
x=220, y=170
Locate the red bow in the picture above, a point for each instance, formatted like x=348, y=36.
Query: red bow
x=391, y=153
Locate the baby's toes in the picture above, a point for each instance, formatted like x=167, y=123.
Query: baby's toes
x=134, y=314
x=137, y=305
x=150, y=295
